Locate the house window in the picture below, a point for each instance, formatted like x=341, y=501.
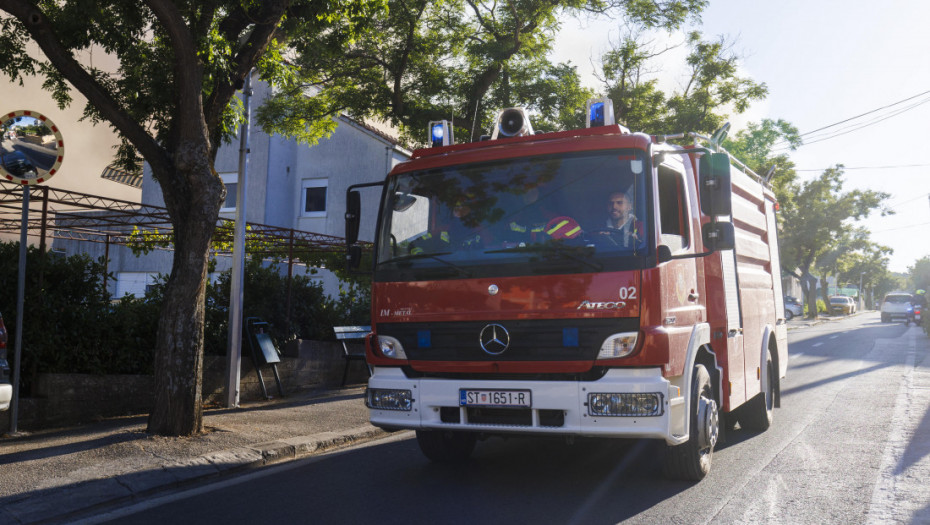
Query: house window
x=231, y=180
x=313, y=197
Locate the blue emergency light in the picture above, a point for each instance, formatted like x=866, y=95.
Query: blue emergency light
x=600, y=112
x=596, y=116
x=440, y=133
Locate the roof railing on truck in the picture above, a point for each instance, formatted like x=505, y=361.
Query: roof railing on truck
x=710, y=143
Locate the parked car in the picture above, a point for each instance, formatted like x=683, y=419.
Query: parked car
x=840, y=304
x=18, y=165
x=6, y=389
x=898, y=305
x=793, y=307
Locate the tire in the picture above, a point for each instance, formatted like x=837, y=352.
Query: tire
x=758, y=412
x=691, y=460
x=884, y=318
x=445, y=446
x=788, y=315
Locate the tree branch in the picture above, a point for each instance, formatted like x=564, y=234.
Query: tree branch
x=246, y=57
x=188, y=70
x=41, y=31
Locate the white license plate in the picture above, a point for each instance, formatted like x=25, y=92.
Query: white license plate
x=495, y=398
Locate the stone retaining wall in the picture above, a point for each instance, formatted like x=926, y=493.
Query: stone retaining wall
x=69, y=399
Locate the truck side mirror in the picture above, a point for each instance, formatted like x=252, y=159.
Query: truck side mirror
x=719, y=236
x=353, y=214
x=715, y=184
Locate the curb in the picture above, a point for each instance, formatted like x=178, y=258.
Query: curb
x=84, y=500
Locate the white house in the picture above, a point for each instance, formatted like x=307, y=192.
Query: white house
x=290, y=185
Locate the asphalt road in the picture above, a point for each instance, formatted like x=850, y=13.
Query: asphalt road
x=850, y=444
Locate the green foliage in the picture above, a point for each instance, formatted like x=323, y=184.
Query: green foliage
x=711, y=87
x=918, y=276
x=426, y=60
x=69, y=323
x=765, y=146
x=72, y=326
x=312, y=315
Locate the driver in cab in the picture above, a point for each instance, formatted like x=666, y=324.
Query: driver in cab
x=623, y=228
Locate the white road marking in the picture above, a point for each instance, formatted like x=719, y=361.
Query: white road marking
x=817, y=344
x=900, y=492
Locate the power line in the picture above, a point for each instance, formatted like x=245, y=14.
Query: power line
x=857, y=127
x=866, y=113
x=872, y=167
x=896, y=203
x=784, y=144
x=901, y=228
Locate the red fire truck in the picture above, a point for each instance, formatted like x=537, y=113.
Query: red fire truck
x=592, y=282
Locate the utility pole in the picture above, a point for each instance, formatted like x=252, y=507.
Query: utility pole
x=234, y=342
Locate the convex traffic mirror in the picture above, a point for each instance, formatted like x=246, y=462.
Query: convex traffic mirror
x=31, y=147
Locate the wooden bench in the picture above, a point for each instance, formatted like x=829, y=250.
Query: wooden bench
x=345, y=334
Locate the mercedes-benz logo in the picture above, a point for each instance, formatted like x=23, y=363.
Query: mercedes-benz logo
x=494, y=339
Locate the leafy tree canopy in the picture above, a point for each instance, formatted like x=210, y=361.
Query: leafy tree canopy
x=171, y=99
x=711, y=87
x=458, y=60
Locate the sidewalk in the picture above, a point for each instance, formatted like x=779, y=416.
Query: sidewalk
x=53, y=476
x=802, y=322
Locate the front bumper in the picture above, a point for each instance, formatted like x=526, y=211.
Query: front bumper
x=558, y=407
x=6, y=394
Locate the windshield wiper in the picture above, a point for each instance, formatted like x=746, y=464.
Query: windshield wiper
x=569, y=252
x=406, y=260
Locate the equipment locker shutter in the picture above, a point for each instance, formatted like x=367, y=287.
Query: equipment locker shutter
x=776, y=261
x=731, y=289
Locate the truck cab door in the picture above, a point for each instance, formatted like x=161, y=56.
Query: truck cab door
x=682, y=299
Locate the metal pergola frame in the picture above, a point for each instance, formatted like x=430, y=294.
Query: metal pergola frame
x=69, y=215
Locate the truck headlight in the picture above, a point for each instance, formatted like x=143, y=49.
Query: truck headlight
x=618, y=345
x=625, y=405
x=389, y=399
x=391, y=347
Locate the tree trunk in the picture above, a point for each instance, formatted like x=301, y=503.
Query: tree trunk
x=178, y=408
x=809, y=288
x=193, y=196
x=825, y=293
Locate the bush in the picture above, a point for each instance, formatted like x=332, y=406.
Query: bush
x=71, y=325
x=821, y=307
x=313, y=314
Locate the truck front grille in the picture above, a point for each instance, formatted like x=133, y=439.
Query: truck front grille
x=510, y=417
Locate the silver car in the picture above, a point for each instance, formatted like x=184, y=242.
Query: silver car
x=793, y=308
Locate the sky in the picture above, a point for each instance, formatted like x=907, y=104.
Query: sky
x=825, y=61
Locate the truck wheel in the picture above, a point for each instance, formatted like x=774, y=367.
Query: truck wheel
x=691, y=460
x=445, y=446
x=757, y=413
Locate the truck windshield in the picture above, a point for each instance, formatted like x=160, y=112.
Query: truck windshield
x=565, y=213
